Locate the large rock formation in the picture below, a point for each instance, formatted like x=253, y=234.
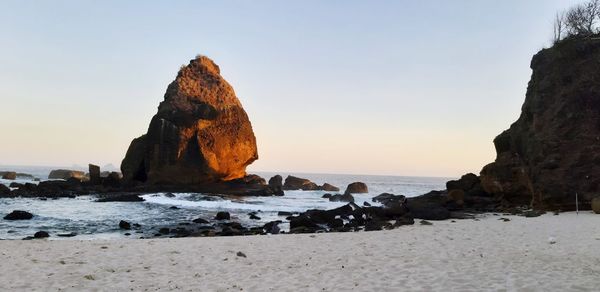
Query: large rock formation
x=201, y=133
x=553, y=150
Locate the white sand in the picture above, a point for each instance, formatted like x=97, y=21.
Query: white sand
x=464, y=256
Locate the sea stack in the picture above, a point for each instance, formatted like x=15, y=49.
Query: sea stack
x=200, y=134
x=552, y=151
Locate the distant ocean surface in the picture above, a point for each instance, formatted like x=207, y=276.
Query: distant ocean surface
x=92, y=220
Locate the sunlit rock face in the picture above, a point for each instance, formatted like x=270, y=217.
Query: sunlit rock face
x=553, y=150
x=200, y=133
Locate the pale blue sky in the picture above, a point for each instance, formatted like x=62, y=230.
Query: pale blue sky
x=367, y=87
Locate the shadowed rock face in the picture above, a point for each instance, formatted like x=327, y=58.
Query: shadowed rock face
x=553, y=149
x=200, y=133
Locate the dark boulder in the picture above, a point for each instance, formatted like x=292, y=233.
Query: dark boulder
x=254, y=217
x=389, y=199
x=200, y=221
x=430, y=206
x=223, y=216
x=41, y=234
x=4, y=190
x=341, y=198
x=357, y=188
x=112, y=180
x=465, y=183
x=124, y=225
x=15, y=185
x=18, y=215
x=276, y=182
x=94, y=171
x=272, y=227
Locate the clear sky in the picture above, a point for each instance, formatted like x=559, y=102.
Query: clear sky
x=364, y=87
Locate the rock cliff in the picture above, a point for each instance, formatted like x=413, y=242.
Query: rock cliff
x=553, y=150
x=200, y=134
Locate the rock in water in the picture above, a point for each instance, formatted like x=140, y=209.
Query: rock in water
x=553, y=150
x=66, y=174
x=10, y=175
x=293, y=183
x=41, y=234
x=357, y=188
x=276, y=182
x=222, y=216
x=200, y=134
x=124, y=225
x=4, y=190
x=18, y=215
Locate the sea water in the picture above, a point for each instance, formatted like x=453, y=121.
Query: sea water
x=93, y=220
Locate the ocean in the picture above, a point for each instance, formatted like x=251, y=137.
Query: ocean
x=93, y=220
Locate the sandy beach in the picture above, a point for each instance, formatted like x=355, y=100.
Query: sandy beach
x=465, y=255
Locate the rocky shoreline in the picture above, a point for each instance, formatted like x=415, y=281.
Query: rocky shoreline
x=386, y=211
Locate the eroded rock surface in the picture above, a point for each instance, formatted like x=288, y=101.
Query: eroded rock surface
x=200, y=134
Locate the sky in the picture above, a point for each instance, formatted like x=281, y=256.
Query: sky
x=416, y=88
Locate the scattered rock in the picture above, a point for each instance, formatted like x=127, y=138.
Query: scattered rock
x=326, y=196
x=366, y=204
x=174, y=208
x=124, y=225
x=357, y=188
x=169, y=195
x=504, y=219
x=18, y=215
x=70, y=234
x=240, y=254
x=223, y=216
x=254, y=217
x=423, y=222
